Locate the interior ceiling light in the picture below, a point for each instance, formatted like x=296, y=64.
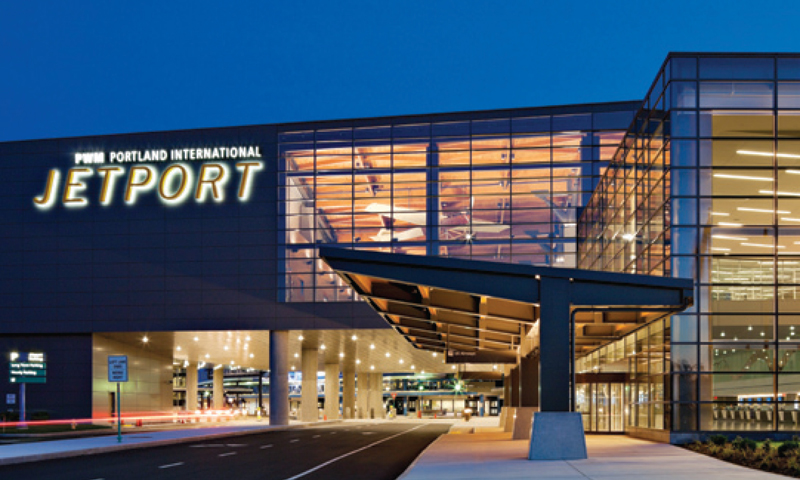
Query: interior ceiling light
x=767, y=154
x=354, y=338
x=208, y=356
x=179, y=348
x=341, y=355
x=785, y=194
x=729, y=224
x=728, y=237
x=145, y=339
x=372, y=347
x=721, y=214
x=196, y=339
x=761, y=210
x=358, y=362
x=251, y=355
x=628, y=237
x=763, y=245
x=743, y=177
x=322, y=347
x=388, y=354
x=247, y=339
x=300, y=338
x=788, y=219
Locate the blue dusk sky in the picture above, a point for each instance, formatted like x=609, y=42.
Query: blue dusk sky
x=72, y=68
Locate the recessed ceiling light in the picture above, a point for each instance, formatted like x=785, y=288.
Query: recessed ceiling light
x=247, y=339
x=292, y=367
x=372, y=347
x=300, y=338
x=358, y=362
x=196, y=339
x=354, y=338
x=145, y=339
x=179, y=348
x=401, y=361
x=251, y=355
x=226, y=347
x=296, y=355
x=208, y=356
x=341, y=355
x=388, y=354
x=372, y=367
x=322, y=347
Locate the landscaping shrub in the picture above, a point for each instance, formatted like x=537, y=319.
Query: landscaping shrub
x=718, y=440
x=787, y=449
x=744, y=444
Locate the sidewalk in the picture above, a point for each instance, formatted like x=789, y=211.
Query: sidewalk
x=496, y=456
x=36, y=451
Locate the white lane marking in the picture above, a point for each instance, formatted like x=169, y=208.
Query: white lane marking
x=295, y=440
x=367, y=433
x=170, y=465
x=266, y=446
x=226, y=454
x=236, y=444
x=321, y=465
x=205, y=445
x=316, y=436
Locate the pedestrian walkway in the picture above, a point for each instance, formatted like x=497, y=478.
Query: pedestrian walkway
x=496, y=456
x=36, y=451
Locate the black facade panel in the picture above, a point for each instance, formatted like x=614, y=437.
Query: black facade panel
x=69, y=374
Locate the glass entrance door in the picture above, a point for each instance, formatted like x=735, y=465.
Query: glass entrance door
x=601, y=405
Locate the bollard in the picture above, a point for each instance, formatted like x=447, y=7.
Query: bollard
x=324, y=418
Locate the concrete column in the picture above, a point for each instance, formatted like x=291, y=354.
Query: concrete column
x=362, y=398
x=191, y=387
x=376, y=409
x=279, y=377
x=308, y=395
x=332, y=391
x=529, y=381
x=349, y=391
x=515, y=401
x=218, y=390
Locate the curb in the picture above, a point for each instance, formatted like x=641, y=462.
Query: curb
x=413, y=464
x=154, y=443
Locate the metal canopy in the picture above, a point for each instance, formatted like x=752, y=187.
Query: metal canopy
x=443, y=304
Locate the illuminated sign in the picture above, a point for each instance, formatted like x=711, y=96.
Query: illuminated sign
x=174, y=183
x=481, y=356
x=27, y=368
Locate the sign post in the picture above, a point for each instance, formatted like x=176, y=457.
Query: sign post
x=118, y=372
x=25, y=368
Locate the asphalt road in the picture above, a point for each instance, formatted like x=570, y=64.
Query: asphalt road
x=343, y=451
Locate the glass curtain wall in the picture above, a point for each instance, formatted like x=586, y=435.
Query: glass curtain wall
x=732, y=222
x=502, y=190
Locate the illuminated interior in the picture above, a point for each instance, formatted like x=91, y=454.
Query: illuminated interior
x=499, y=197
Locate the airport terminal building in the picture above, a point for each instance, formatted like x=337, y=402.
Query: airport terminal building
x=199, y=252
